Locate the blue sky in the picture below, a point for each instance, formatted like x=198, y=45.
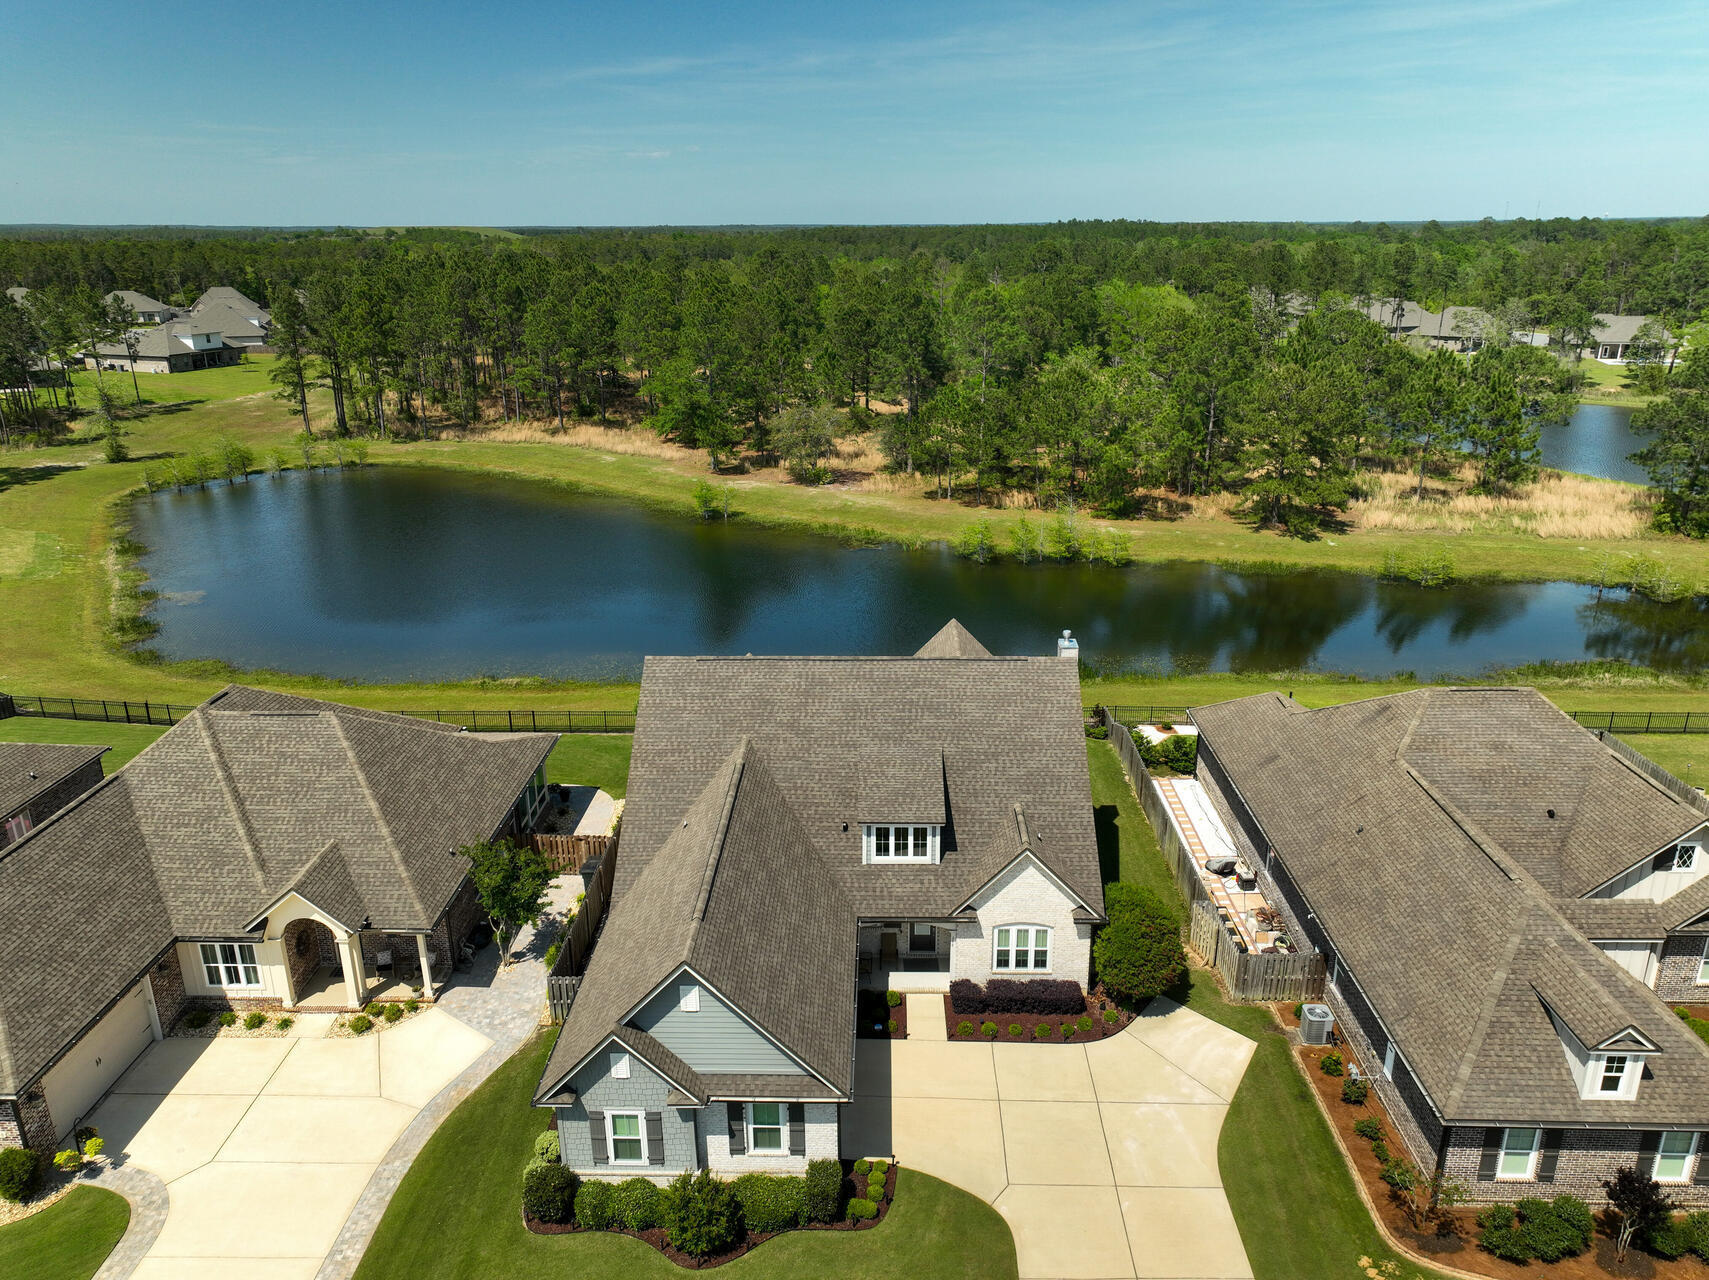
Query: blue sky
x=638, y=113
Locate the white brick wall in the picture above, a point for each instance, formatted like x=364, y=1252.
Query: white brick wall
x=714, y=1122
x=1023, y=895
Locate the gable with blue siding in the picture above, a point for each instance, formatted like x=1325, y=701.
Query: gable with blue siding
x=714, y=1039
x=597, y=1090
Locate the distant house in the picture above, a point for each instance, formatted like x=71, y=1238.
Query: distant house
x=1507, y=906
x=797, y=828
x=144, y=309
x=1617, y=334
x=223, y=296
x=233, y=322
x=1401, y=318
x=38, y=779
x=1458, y=328
x=175, y=347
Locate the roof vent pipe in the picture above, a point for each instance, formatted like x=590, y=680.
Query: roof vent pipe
x=1067, y=646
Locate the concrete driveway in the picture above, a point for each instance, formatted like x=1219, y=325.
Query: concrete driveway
x=265, y=1145
x=1102, y=1157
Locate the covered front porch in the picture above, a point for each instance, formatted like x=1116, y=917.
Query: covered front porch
x=331, y=966
x=905, y=955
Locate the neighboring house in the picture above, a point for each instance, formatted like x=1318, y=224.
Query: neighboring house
x=1616, y=334
x=38, y=779
x=220, y=296
x=233, y=323
x=1402, y=319
x=174, y=347
x=145, y=309
x=1459, y=328
x=268, y=851
x=1506, y=904
x=797, y=827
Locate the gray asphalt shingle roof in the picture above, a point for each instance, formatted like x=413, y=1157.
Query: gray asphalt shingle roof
x=1416, y=827
x=251, y=794
x=29, y=768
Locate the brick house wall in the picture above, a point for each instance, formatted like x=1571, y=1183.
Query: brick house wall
x=1588, y=1156
x=454, y=926
x=1023, y=895
x=1676, y=976
x=60, y=794
x=303, y=942
x=167, y=979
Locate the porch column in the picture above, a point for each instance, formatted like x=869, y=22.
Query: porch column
x=426, y=965
x=350, y=952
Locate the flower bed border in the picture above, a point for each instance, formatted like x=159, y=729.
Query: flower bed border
x=1095, y=1007
x=655, y=1236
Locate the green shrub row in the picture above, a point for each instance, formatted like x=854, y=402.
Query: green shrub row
x=1540, y=1230
x=1179, y=751
x=1138, y=954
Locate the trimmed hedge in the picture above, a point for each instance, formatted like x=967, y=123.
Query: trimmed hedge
x=822, y=1191
x=1544, y=1230
x=770, y=1202
x=1046, y=997
x=20, y=1170
x=549, y=1192
x=594, y=1207
x=635, y=1202
x=861, y=1210
x=546, y=1147
x=700, y=1214
x=1138, y=954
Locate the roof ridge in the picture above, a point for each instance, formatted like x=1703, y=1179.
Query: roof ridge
x=391, y=842
x=715, y=851
x=234, y=801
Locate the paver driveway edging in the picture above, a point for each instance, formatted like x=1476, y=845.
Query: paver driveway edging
x=1102, y=1156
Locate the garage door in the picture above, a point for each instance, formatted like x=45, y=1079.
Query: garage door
x=112, y=1044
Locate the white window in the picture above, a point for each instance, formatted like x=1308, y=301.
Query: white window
x=1673, y=1157
x=619, y=1066
x=688, y=998
x=1021, y=947
x=1518, y=1153
x=765, y=1129
x=230, y=964
x=1611, y=1073
x=1388, y=1061
x=1681, y=857
x=884, y=842
x=628, y=1137
x=1703, y=965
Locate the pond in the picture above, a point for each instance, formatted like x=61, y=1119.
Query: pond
x=402, y=573
x=1595, y=442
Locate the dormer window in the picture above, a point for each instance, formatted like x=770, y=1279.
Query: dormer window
x=1613, y=1074
x=1681, y=857
x=891, y=842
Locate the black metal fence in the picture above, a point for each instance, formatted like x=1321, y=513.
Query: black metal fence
x=120, y=711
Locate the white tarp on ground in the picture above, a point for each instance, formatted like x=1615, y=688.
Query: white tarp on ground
x=1203, y=815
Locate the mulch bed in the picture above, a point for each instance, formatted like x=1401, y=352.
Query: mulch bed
x=1455, y=1243
x=1096, y=1004
x=655, y=1236
x=869, y=1028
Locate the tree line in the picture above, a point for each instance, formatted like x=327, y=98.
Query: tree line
x=1093, y=365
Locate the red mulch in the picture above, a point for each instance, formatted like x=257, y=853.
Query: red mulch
x=1456, y=1243
x=655, y=1236
x=1095, y=1006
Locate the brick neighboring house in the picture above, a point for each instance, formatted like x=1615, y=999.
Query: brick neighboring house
x=262, y=853
x=175, y=347
x=797, y=827
x=1505, y=902
x=37, y=779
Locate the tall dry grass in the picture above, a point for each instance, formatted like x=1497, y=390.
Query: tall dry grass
x=1557, y=506
x=612, y=439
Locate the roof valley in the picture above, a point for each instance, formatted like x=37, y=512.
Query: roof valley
x=228, y=786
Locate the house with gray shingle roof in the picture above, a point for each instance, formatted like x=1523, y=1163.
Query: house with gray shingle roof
x=226, y=298
x=797, y=828
x=144, y=309
x=39, y=778
x=1507, y=904
x=268, y=851
x=174, y=347
x=1617, y=334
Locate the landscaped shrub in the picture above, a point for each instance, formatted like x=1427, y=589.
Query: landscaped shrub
x=1067, y=1030
x=361, y=1024
x=880, y=1167
x=770, y=1203
x=1380, y=1150
x=71, y=1161
x=1671, y=1240
x=1112, y=1016
x=964, y=1028
x=593, y=1206
x=636, y=1204
x=891, y=1026
x=823, y=1191
x=285, y=1024
x=967, y=996
x=254, y=1021
x=1042, y=1031
x=988, y=1030
x=875, y=1190
x=1697, y=1228
x=1332, y=1064
x=1017, y=1030
x=1180, y=752
x=1354, y=1091
x=1046, y=997
x=93, y=1147
x=862, y=1168
x=1138, y=954
x=375, y=1009
x=861, y=1210
x=1544, y=1230
x=892, y=998
x=700, y=1214
x=412, y=1005
x=546, y=1147
x=549, y=1192
x=394, y=1012
x=1099, y=732
x=19, y=1170
x=1085, y=1022
x=196, y=1019
x=1369, y=1128
x=1299, y=1010
x=228, y=1018
x=1498, y=1234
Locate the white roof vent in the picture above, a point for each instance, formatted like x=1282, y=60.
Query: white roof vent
x=1067, y=646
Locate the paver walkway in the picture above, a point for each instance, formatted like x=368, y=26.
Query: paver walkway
x=1102, y=1157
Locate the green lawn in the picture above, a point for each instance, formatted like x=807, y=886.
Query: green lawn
x=596, y=759
x=1685, y=755
x=68, y=1240
x=1292, y=1195
x=195, y=386
x=124, y=739
x=456, y=1215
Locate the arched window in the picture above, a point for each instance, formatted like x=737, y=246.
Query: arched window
x=1021, y=948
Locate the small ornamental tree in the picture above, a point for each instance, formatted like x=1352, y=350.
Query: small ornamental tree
x=701, y=1214
x=1641, y=1204
x=511, y=883
x=1138, y=954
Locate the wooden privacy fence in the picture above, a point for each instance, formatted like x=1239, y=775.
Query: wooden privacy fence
x=1248, y=976
x=578, y=937
x=567, y=853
